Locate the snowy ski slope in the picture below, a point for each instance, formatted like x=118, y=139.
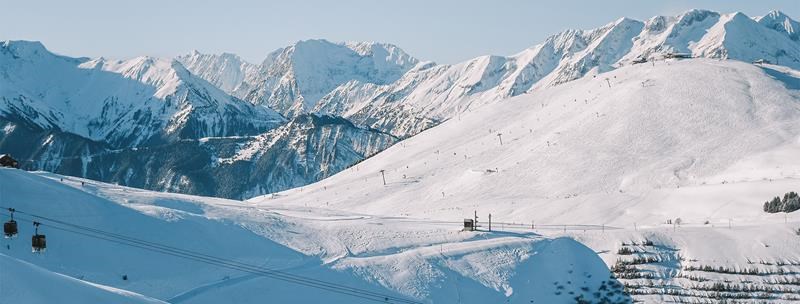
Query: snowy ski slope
x=701, y=142
x=422, y=261
x=22, y=282
x=717, y=136
x=604, y=161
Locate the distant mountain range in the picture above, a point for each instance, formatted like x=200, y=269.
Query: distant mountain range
x=217, y=125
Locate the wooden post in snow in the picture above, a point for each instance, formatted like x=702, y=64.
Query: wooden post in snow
x=383, y=177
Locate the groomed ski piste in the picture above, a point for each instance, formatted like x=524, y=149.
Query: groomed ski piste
x=388, y=260
x=586, y=178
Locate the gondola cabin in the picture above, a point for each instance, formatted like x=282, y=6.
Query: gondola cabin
x=38, y=241
x=10, y=227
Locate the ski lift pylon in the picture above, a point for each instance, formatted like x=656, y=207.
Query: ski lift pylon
x=10, y=227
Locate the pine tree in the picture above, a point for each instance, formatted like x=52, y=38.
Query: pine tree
x=789, y=203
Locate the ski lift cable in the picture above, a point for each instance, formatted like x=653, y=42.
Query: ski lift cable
x=250, y=269
x=169, y=250
x=220, y=264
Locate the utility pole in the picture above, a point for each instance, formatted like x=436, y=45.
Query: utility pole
x=475, y=224
x=500, y=136
x=490, y=222
x=383, y=176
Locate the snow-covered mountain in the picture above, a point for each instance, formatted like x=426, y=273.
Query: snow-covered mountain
x=659, y=165
x=304, y=150
x=427, y=93
x=150, y=123
x=701, y=143
x=125, y=103
x=682, y=154
x=226, y=71
x=293, y=79
x=389, y=258
x=376, y=87
x=778, y=21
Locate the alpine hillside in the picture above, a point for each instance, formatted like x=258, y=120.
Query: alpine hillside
x=89, y=117
x=150, y=123
x=662, y=168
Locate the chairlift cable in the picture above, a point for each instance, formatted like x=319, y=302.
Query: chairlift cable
x=221, y=262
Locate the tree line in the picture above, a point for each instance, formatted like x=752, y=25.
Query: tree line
x=789, y=203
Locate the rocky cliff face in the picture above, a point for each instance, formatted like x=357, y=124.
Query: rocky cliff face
x=304, y=150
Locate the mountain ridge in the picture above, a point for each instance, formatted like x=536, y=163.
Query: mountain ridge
x=428, y=94
x=124, y=102
x=381, y=91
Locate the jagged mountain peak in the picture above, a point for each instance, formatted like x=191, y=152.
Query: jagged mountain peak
x=122, y=102
x=696, y=15
x=227, y=71
x=293, y=78
x=165, y=75
x=437, y=93
x=224, y=55
x=780, y=22
x=383, y=55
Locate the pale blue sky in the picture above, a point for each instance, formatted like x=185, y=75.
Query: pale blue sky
x=443, y=31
